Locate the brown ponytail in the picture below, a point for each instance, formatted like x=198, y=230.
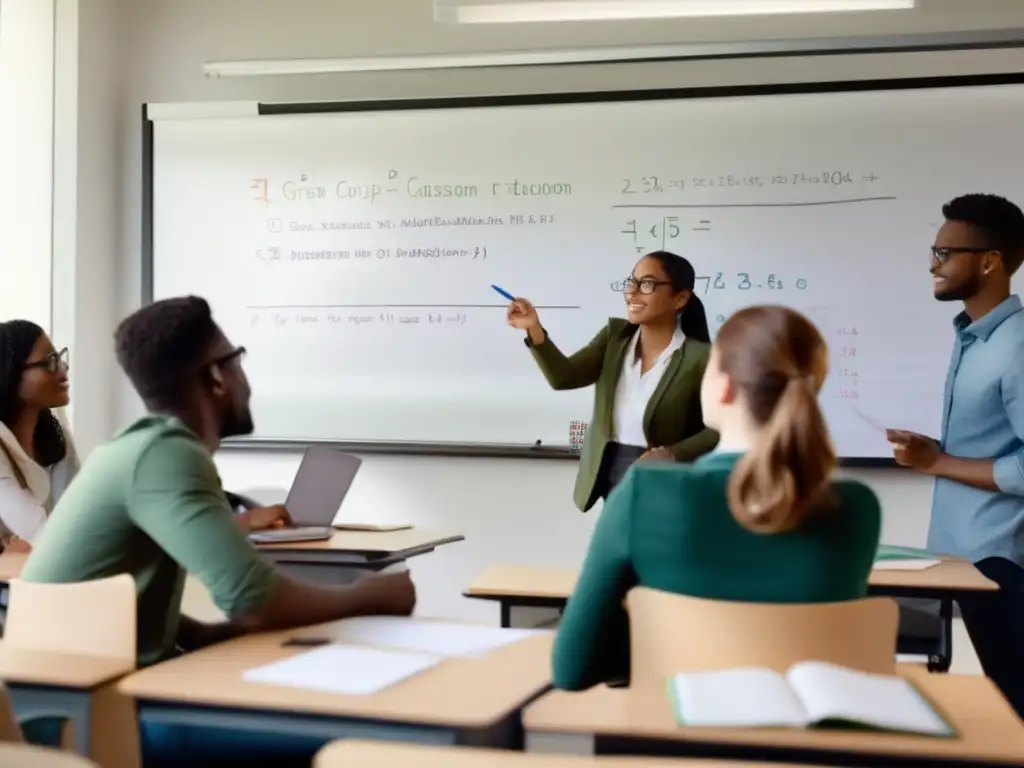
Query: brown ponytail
x=777, y=361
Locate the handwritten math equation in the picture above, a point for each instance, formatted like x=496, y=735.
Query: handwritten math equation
x=305, y=317
x=274, y=253
x=657, y=233
x=738, y=281
x=653, y=184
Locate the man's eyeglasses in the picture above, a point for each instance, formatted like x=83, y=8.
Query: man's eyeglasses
x=238, y=352
x=52, y=362
x=942, y=255
x=646, y=286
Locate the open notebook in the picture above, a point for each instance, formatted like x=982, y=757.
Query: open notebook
x=809, y=693
x=894, y=558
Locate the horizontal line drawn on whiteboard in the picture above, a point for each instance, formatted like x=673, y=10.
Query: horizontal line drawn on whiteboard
x=799, y=204
x=400, y=306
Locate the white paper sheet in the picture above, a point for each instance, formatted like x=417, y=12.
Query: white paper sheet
x=904, y=565
x=438, y=638
x=348, y=670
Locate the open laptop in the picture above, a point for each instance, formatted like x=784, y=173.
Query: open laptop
x=320, y=486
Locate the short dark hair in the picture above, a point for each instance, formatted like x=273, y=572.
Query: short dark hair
x=1000, y=220
x=163, y=342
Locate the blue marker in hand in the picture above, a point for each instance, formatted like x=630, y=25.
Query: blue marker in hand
x=504, y=293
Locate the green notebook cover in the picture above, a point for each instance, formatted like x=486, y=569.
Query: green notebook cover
x=890, y=552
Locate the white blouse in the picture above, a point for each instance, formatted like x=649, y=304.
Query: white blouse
x=634, y=391
x=23, y=511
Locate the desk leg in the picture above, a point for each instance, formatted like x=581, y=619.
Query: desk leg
x=940, y=661
x=529, y=616
x=31, y=703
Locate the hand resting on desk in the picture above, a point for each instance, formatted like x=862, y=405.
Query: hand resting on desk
x=262, y=518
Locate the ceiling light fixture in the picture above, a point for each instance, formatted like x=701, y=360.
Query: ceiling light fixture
x=523, y=11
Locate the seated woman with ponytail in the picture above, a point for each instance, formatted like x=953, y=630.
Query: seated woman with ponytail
x=759, y=520
x=37, y=457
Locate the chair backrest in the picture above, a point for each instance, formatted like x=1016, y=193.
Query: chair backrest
x=10, y=731
x=91, y=618
x=672, y=633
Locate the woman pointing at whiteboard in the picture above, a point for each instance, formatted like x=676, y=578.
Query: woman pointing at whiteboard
x=646, y=370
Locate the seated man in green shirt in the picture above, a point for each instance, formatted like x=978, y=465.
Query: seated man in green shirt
x=758, y=520
x=149, y=502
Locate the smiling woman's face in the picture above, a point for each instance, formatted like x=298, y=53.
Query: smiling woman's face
x=44, y=377
x=649, y=295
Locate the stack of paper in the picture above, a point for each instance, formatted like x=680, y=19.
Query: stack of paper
x=342, y=669
x=437, y=638
x=893, y=558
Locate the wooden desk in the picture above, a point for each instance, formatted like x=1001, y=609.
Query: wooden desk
x=472, y=701
x=349, y=554
x=365, y=754
x=25, y=756
x=47, y=684
x=607, y=720
x=515, y=586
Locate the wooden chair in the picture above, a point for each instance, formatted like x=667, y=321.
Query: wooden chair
x=672, y=633
x=91, y=618
x=10, y=731
x=24, y=756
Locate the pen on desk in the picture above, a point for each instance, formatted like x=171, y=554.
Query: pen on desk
x=504, y=293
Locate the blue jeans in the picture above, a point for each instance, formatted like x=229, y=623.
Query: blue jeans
x=164, y=746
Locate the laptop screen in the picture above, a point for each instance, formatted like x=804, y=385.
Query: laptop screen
x=320, y=485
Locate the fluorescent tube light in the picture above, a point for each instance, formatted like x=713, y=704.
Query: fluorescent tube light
x=513, y=11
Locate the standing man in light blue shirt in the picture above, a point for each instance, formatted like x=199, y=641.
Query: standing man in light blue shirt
x=978, y=464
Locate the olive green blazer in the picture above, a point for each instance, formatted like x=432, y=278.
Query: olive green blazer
x=673, y=417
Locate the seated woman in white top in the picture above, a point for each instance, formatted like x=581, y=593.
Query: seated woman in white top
x=37, y=457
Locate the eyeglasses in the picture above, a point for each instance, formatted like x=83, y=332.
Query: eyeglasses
x=942, y=255
x=52, y=362
x=239, y=352
x=645, y=286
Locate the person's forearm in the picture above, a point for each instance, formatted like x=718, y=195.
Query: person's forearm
x=536, y=335
x=295, y=604
x=977, y=473
x=193, y=634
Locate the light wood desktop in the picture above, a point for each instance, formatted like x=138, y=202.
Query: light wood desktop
x=349, y=554
x=517, y=587
x=469, y=700
x=48, y=683
x=640, y=720
x=25, y=756
x=365, y=754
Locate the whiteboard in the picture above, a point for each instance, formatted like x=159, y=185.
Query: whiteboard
x=352, y=252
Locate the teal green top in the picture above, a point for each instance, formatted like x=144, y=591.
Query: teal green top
x=149, y=503
x=668, y=527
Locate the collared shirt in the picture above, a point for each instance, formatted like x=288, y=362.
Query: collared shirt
x=149, y=503
x=634, y=390
x=28, y=491
x=983, y=418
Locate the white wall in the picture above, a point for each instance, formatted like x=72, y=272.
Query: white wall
x=510, y=510
x=86, y=141
x=26, y=152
